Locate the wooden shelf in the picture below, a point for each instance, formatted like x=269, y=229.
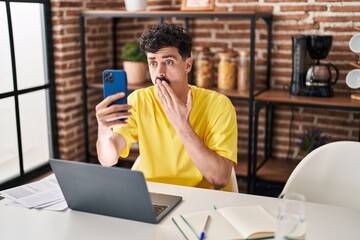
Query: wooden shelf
x=130, y=86
x=276, y=170
x=357, y=65
x=167, y=13
x=355, y=96
x=342, y=100
x=234, y=93
x=242, y=167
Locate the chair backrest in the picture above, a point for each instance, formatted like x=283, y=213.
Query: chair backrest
x=233, y=180
x=231, y=187
x=136, y=163
x=330, y=175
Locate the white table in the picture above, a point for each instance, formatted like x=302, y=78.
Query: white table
x=324, y=221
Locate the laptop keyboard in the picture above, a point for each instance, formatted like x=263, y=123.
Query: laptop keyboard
x=158, y=209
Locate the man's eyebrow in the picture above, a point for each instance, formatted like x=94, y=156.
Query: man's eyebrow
x=163, y=57
x=169, y=56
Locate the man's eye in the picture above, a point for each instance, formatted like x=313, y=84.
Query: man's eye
x=152, y=64
x=169, y=63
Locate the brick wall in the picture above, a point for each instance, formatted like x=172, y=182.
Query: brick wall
x=290, y=18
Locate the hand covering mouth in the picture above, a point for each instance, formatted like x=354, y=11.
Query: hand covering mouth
x=163, y=79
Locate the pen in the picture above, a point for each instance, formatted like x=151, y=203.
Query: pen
x=189, y=225
x=180, y=229
x=202, y=235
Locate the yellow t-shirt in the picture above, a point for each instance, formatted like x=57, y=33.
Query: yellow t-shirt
x=163, y=155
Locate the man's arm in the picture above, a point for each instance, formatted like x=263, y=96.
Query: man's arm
x=109, y=149
x=216, y=169
x=109, y=145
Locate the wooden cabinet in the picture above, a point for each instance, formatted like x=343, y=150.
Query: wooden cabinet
x=234, y=95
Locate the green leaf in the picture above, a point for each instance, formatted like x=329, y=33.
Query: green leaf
x=131, y=52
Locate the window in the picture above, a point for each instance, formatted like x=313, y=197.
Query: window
x=27, y=90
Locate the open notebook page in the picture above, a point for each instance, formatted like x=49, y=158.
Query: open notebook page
x=250, y=221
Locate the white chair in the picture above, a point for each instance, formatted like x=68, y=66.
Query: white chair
x=233, y=180
x=136, y=163
x=330, y=175
x=233, y=187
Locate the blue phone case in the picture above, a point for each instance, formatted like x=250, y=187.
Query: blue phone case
x=115, y=81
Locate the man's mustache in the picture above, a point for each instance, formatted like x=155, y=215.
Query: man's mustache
x=163, y=79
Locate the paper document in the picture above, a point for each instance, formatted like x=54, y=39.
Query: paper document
x=43, y=194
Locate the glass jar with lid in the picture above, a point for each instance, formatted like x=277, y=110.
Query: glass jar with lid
x=204, y=76
x=243, y=70
x=227, y=71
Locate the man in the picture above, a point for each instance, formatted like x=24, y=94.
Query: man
x=186, y=135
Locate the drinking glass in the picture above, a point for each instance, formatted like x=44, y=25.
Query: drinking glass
x=291, y=221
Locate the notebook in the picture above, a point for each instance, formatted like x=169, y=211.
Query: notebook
x=110, y=191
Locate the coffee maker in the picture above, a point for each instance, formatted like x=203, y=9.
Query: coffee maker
x=309, y=76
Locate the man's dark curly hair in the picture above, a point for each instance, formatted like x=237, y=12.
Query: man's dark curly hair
x=166, y=35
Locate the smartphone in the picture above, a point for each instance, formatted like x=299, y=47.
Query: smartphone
x=115, y=81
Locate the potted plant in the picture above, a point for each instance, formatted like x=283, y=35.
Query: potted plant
x=312, y=139
x=134, y=63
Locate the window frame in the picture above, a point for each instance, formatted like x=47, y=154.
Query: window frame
x=49, y=86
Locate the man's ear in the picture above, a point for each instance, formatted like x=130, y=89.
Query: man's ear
x=189, y=63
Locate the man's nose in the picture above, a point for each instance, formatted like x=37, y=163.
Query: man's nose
x=161, y=71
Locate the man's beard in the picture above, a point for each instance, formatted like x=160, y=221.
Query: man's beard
x=163, y=79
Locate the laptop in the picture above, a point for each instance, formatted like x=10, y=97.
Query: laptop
x=110, y=191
